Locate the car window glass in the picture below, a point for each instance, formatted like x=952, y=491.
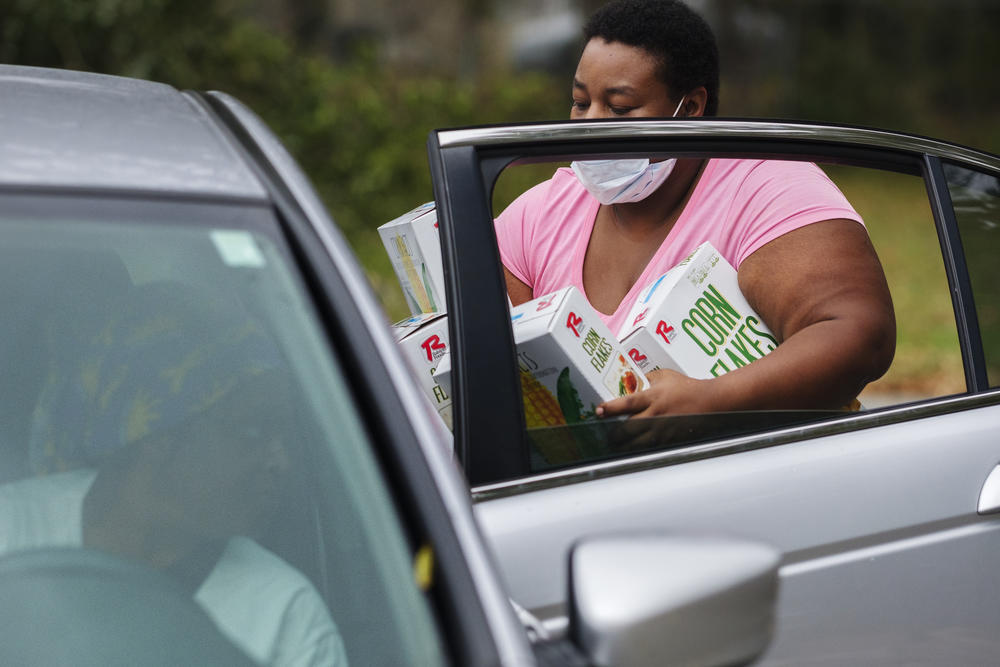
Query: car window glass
x=898, y=216
x=169, y=399
x=927, y=361
x=976, y=200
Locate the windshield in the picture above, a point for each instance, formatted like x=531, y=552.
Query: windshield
x=169, y=401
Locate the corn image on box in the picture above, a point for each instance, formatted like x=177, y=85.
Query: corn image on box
x=569, y=361
x=414, y=248
x=424, y=341
x=694, y=319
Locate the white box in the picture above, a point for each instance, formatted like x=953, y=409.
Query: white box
x=442, y=374
x=694, y=319
x=424, y=341
x=569, y=360
x=414, y=248
x=404, y=328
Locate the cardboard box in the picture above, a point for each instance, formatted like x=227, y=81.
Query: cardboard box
x=424, y=341
x=569, y=360
x=694, y=319
x=414, y=248
x=442, y=374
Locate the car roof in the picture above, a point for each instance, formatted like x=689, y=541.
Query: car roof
x=78, y=130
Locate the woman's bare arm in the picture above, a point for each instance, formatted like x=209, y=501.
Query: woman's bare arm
x=516, y=290
x=822, y=291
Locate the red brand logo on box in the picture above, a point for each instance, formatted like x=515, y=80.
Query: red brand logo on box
x=640, y=317
x=575, y=323
x=666, y=331
x=431, y=345
x=542, y=305
x=636, y=356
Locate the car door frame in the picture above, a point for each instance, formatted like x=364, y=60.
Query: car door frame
x=489, y=427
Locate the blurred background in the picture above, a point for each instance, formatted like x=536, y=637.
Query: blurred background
x=354, y=86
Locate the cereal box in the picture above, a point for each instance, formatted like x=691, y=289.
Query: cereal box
x=569, y=360
x=424, y=341
x=694, y=319
x=414, y=248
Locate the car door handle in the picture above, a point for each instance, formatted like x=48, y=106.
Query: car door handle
x=989, y=497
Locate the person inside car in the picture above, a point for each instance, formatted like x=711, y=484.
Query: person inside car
x=165, y=446
x=610, y=227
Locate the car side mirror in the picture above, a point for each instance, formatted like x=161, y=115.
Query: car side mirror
x=650, y=599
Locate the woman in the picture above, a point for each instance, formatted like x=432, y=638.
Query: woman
x=803, y=257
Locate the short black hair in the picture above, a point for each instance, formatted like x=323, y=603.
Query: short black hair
x=676, y=35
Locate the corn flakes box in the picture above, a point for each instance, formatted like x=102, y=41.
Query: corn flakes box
x=695, y=320
x=569, y=360
x=424, y=341
x=414, y=248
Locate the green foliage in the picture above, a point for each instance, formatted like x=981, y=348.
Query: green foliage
x=920, y=66
x=359, y=129
x=140, y=38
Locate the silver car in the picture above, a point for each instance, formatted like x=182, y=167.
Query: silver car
x=885, y=517
x=212, y=452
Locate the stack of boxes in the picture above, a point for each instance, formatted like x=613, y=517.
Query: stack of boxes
x=414, y=248
x=569, y=361
x=692, y=319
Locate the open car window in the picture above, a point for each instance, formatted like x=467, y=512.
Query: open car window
x=706, y=331
x=171, y=402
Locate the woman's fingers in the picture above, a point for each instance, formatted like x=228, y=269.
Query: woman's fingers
x=669, y=393
x=661, y=375
x=626, y=405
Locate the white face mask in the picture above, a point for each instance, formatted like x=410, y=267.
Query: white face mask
x=623, y=181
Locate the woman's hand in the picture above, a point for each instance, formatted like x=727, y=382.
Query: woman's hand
x=670, y=392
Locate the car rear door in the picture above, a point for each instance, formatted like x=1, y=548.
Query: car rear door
x=883, y=515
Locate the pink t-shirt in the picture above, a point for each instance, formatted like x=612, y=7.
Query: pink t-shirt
x=737, y=205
